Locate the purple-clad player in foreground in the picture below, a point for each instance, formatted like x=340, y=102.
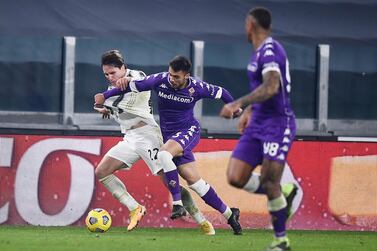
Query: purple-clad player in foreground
x=268, y=125
x=177, y=94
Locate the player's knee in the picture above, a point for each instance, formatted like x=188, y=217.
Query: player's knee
x=234, y=180
x=164, y=156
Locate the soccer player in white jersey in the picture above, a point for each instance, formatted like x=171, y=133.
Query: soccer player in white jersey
x=142, y=140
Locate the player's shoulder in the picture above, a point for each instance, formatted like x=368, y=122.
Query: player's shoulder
x=268, y=47
x=199, y=86
x=271, y=47
x=158, y=76
x=135, y=73
x=197, y=83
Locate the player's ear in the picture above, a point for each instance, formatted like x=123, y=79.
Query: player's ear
x=187, y=75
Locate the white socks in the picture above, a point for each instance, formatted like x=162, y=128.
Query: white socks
x=166, y=160
x=253, y=184
x=118, y=190
x=191, y=207
x=277, y=204
x=227, y=213
x=200, y=187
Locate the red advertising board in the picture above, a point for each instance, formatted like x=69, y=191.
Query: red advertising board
x=49, y=180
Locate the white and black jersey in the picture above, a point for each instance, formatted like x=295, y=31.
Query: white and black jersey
x=128, y=109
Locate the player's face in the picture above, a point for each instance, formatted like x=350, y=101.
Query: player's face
x=178, y=79
x=112, y=73
x=249, y=28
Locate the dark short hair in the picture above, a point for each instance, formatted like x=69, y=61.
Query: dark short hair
x=262, y=16
x=180, y=63
x=113, y=58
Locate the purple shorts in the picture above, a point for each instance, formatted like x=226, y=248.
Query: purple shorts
x=270, y=141
x=188, y=138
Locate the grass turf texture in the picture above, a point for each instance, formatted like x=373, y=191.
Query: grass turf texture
x=79, y=238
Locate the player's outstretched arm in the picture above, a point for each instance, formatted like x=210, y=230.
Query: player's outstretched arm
x=268, y=89
x=129, y=85
x=109, y=93
x=231, y=110
x=122, y=83
x=244, y=120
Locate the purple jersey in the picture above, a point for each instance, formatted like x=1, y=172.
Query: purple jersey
x=272, y=129
x=270, y=56
x=176, y=106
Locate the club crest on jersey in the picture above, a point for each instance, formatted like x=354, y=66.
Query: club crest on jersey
x=172, y=183
x=191, y=91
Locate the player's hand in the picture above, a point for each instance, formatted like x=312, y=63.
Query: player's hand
x=122, y=83
x=237, y=113
x=99, y=99
x=229, y=110
x=244, y=121
x=103, y=110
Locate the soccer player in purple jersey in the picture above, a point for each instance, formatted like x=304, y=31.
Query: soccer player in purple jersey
x=142, y=137
x=177, y=94
x=268, y=125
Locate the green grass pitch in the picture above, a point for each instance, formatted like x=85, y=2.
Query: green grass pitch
x=28, y=238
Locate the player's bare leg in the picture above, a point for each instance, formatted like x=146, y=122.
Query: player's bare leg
x=104, y=173
x=240, y=175
x=190, y=206
x=189, y=172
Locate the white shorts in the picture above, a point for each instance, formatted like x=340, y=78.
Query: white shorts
x=140, y=143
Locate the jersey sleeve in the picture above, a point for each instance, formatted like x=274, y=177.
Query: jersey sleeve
x=138, y=84
x=214, y=92
x=269, y=59
x=147, y=83
x=114, y=92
